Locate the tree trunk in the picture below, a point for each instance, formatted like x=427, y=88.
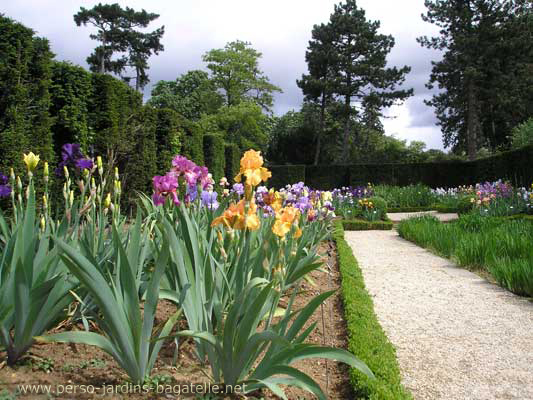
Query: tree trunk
x=137, y=84
x=346, y=134
x=472, y=123
x=102, y=57
x=320, y=128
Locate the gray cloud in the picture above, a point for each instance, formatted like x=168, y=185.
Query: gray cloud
x=280, y=29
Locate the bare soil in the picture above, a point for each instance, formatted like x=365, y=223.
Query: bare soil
x=60, y=365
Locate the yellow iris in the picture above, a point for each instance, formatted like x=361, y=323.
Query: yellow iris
x=31, y=160
x=252, y=169
x=285, y=219
x=236, y=217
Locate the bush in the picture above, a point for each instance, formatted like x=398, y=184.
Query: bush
x=193, y=143
x=214, y=155
x=232, y=155
x=286, y=174
x=365, y=335
x=364, y=225
x=522, y=135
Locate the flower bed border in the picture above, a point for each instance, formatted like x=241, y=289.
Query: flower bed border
x=363, y=225
x=366, y=338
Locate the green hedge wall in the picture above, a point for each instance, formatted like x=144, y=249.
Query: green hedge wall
x=193, y=143
x=284, y=174
x=214, y=155
x=233, y=158
x=515, y=166
x=168, y=138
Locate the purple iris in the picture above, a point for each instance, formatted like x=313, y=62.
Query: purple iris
x=163, y=186
x=72, y=156
x=5, y=190
x=238, y=188
x=209, y=200
x=84, y=163
x=3, y=179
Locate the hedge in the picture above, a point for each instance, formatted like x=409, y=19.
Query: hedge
x=168, y=138
x=214, y=155
x=286, y=174
x=364, y=225
x=233, y=158
x=515, y=166
x=366, y=338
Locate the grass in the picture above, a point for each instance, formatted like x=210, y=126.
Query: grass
x=366, y=338
x=503, y=247
x=406, y=197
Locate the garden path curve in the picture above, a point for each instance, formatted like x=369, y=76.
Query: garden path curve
x=457, y=336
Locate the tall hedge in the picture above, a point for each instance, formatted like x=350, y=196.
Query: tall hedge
x=514, y=166
x=214, y=155
x=70, y=91
x=233, y=156
x=193, y=143
x=140, y=164
x=111, y=109
x=25, y=76
x=168, y=138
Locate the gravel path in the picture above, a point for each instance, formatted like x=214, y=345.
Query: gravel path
x=456, y=335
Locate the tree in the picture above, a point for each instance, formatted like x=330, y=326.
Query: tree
x=191, y=95
x=235, y=71
x=360, y=72
x=118, y=32
x=486, y=65
x=317, y=85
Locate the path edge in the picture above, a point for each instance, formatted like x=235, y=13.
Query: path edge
x=366, y=338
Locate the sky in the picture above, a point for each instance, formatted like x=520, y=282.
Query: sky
x=279, y=29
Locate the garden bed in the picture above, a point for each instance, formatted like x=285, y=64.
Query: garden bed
x=63, y=364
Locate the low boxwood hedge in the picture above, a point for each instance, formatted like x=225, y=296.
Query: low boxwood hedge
x=364, y=225
x=366, y=338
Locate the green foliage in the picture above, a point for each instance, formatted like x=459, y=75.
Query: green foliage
x=214, y=155
x=364, y=225
x=191, y=95
x=70, y=91
x=502, y=247
x=126, y=329
x=522, y=135
x=25, y=77
x=233, y=156
x=34, y=290
x=110, y=110
x=168, y=138
x=286, y=174
x=365, y=335
x=243, y=124
x=514, y=166
x=117, y=33
x=193, y=141
x=408, y=196
x=235, y=70
x=141, y=162
x=471, y=31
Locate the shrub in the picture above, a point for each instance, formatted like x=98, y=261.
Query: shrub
x=286, y=174
x=168, y=138
x=522, y=135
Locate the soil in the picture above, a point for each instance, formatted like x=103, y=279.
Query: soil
x=92, y=374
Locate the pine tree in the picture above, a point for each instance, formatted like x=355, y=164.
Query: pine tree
x=360, y=68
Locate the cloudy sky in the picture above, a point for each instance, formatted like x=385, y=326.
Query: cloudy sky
x=280, y=29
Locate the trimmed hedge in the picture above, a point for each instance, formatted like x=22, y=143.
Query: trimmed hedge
x=515, y=166
x=168, y=138
x=286, y=174
x=366, y=338
x=193, y=143
x=214, y=155
x=233, y=159
x=364, y=225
